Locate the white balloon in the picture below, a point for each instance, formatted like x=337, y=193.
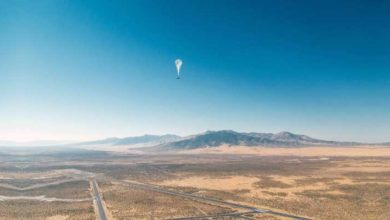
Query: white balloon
x=178, y=63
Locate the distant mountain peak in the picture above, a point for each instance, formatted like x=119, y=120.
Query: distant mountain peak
x=219, y=138
x=233, y=138
x=285, y=133
x=221, y=132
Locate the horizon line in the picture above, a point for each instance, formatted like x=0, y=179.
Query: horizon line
x=58, y=142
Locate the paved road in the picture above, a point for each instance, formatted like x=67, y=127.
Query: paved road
x=102, y=213
x=208, y=199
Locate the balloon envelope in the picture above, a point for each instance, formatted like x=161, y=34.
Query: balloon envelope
x=178, y=63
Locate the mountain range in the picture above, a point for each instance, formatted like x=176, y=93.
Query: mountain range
x=233, y=138
x=211, y=139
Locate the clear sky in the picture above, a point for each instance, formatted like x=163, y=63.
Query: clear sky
x=77, y=70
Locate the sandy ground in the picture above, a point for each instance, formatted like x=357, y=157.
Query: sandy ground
x=303, y=151
x=228, y=183
x=234, y=183
x=288, y=186
x=57, y=217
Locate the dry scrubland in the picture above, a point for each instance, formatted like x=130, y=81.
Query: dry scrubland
x=50, y=210
x=69, y=190
x=317, y=187
x=361, y=151
x=331, y=189
x=129, y=203
x=25, y=182
x=35, y=210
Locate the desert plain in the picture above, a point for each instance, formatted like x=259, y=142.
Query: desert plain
x=220, y=183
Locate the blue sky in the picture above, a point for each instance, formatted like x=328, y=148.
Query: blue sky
x=79, y=70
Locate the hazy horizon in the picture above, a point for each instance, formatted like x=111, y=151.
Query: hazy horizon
x=48, y=142
x=87, y=70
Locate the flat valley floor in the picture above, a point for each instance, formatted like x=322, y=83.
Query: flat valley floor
x=59, y=186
